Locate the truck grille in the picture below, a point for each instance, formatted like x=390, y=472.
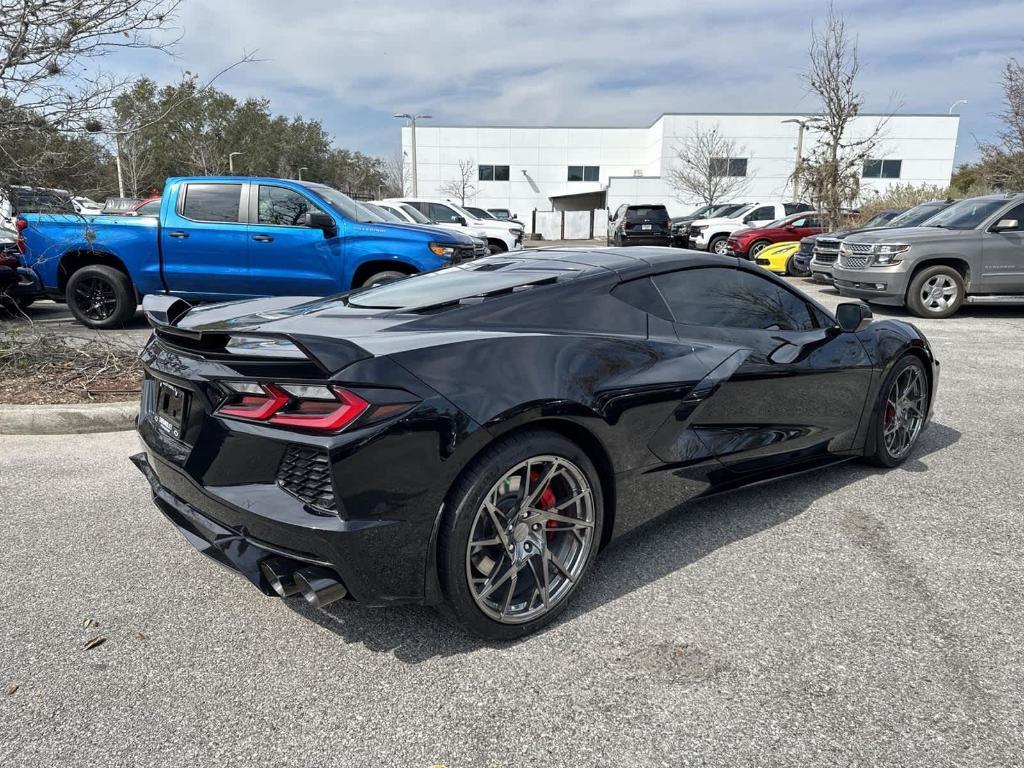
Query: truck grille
x=306, y=474
x=806, y=247
x=826, y=250
x=853, y=261
x=858, y=247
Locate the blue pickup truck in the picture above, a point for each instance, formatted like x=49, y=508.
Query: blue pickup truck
x=225, y=238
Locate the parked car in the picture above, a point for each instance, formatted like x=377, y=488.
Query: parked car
x=971, y=252
x=681, y=224
x=24, y=199
x=819, y=252
x=713, y=234
x=86, y=206
x=410, y=214
x=778, y=258
x=748, y=243
x=881, y=218
x=501, y=235
x=148, y=207
x=481, y=213
x=640, y=224
x=397, y=215
x=413, y=439
x=219, y=238
x=504, y=214
x=18, y=285
x=121, y=206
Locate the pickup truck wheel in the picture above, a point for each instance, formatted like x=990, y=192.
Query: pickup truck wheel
x=379, y=278
x=935, y=292
x=101, y=297
x=719, y=244
x=495, y=248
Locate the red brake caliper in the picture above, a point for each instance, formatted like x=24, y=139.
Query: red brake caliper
x=545, y=501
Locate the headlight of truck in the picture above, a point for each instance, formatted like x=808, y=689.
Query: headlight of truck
x=444, y=250
x=887, y=254
x=696, y=231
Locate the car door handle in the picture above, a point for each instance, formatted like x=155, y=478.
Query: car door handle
x=263, y=238
x=180, y=235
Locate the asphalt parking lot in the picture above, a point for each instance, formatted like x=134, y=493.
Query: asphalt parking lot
x=848, y=617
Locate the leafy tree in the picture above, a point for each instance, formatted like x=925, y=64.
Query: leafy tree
x=1002, y=161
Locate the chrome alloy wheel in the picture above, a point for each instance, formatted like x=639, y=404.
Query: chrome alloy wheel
x=939, y=293
x=531, y=539
x=904, y=411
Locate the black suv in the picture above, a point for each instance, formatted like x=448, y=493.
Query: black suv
x=640, y=225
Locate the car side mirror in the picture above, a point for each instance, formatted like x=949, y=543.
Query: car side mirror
x=322, y=221
x=460, y=220
x=853, y=316
x=1004, y=225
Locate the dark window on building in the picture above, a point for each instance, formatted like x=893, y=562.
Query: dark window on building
x=729, y=166
x=212, y=202
x=282, y=207
x=732, y=298
x=493, y=172
x=882, y=169
x=584, y=172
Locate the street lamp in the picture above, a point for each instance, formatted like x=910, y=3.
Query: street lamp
x=956, y=103
x=412, y=122
x=802, y=123
x=303, y=168
x=231, y=162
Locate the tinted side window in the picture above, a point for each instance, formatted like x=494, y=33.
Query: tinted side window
x=282, y=207
x=765, y=212
x=732, y=298
x=212, y=202
x=441, y=213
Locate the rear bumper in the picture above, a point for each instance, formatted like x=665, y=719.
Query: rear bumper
x=20, y=281
x=628, y=239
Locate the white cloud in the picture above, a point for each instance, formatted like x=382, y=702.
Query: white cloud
x=573, y=63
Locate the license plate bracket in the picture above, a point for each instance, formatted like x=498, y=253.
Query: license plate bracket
x=645, y=226
x=171, y=408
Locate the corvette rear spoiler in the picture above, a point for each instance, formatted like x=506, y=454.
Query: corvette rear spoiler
x=331, y=355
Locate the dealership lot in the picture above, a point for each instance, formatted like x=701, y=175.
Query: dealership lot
x=847, y=616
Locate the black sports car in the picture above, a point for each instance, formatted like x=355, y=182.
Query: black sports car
x=475, y=435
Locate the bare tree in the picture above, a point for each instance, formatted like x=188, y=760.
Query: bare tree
x=396, y=175
x=706, y=167
x=1002, y=162
x=462, y=186
x=830, y=175
x=47, y=49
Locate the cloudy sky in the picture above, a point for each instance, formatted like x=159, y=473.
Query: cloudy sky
x=562, y=62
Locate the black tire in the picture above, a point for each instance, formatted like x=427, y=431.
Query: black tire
x=792, y=270
x=756, y=247
x=717, y=244
x=495, y=247
x=24, y=302
x=101, y=297
x=879, y=453
x=461, y=508
x=384, y=276
x=936, y=292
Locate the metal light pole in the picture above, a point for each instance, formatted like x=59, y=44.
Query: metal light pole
x=956, y=103
x=799, y=151
x=231, y=162
x=412, y=122
x=117, y=161
x=303, y=168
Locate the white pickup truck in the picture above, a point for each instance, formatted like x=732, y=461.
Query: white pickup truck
x=713, y=234
x=501, y=236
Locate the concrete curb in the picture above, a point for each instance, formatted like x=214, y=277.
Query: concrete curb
x=67, y=419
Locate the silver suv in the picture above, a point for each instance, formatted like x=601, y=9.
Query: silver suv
x=971, y=252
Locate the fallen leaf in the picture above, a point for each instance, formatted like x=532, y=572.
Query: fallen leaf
x=90, y=623
x=95, y=642
x=12, y=689
x=139, y=636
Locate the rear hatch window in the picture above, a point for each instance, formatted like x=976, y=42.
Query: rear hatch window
x=647, y=213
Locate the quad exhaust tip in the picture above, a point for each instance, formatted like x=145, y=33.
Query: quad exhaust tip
x=319, y=586
x=280, y=574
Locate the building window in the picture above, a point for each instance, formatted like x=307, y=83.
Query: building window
x=729, y=166
x=493, y=173
x=882, y=169
x=584, y=172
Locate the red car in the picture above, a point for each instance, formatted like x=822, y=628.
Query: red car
x=750, y=242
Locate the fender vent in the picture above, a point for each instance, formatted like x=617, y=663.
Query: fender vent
x=305, y=473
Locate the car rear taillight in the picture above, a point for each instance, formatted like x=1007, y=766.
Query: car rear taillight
x=21, y=225
x=315, y=407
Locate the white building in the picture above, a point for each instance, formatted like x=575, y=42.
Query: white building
x=550, y=168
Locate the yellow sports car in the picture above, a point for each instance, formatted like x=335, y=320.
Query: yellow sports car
x=775, y=258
